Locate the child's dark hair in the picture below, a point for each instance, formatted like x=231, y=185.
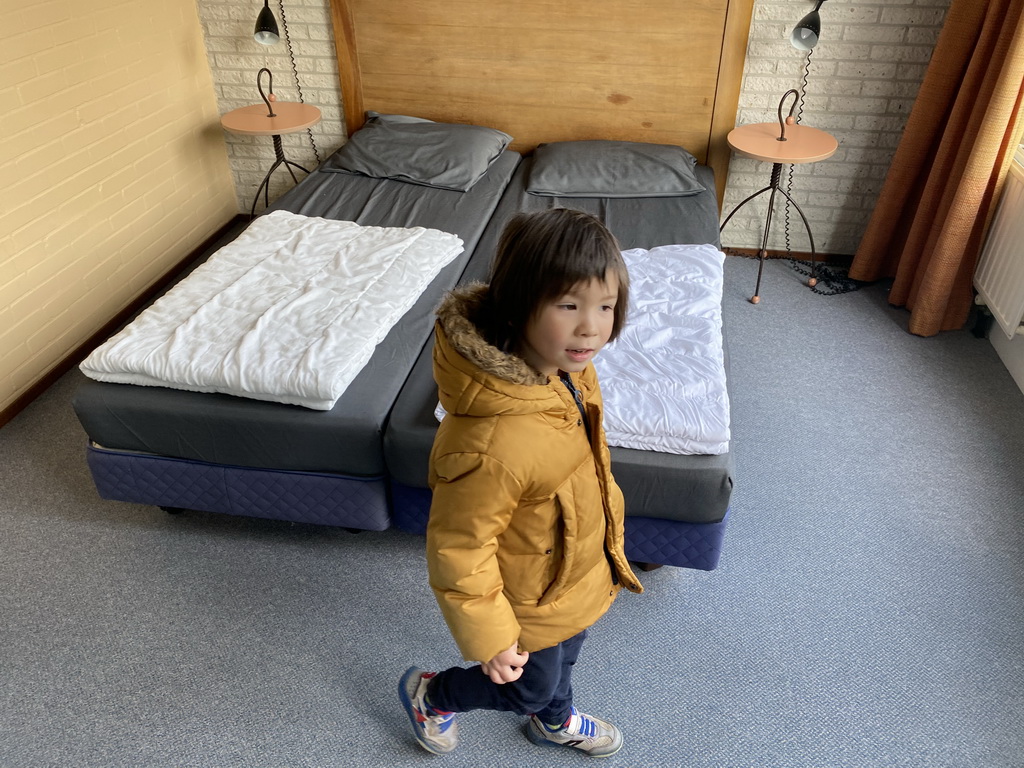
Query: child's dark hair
x=540, y=257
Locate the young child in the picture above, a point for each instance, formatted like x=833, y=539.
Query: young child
x=525, y=539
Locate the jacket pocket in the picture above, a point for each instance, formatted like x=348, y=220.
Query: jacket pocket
x=529, y=551
x=567, y=511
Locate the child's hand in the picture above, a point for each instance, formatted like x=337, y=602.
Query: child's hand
x=506, y=667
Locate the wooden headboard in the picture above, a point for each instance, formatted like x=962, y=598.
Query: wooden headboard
x=657, y=71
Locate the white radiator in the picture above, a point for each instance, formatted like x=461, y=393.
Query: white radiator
x=999, y=277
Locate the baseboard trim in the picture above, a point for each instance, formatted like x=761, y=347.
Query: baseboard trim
x=48, y=379
x=832, y=259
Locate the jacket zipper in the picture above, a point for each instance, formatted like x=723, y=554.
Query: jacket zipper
x=577, y=396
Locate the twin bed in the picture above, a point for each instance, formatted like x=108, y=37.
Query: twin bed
x=360, y=462
x=221, y=453
x=676, y=502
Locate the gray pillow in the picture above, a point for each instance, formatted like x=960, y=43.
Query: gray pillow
x=443, y=155
x=612, y=169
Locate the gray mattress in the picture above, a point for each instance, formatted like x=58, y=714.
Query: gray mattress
x=693, y=489
x=227, y=430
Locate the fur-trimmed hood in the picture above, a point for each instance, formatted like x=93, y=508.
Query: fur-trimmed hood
x=457, y=316
x=478, y=379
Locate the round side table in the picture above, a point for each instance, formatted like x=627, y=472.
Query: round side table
x=802, y=144
x=289, y=117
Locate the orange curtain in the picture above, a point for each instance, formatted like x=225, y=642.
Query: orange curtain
x=930, y=220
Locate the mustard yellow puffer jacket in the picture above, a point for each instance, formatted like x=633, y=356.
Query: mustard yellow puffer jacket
x=525, y=539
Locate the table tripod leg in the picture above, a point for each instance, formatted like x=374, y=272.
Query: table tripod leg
x=813, y=280
x=755, y=298
x=264, y=186
x=761, y=254
x=744, y=202
x=290, y=165
x=279, y=154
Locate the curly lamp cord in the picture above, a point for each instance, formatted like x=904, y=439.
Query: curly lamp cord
x=295, y=72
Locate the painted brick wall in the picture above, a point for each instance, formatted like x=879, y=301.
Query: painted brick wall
x=235, y=59
x=864, y=75
x=113, y=170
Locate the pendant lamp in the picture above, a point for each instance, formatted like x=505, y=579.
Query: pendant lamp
x=805, y=33
x=266, y=31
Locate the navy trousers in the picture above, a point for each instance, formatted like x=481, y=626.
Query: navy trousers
x=544, y=689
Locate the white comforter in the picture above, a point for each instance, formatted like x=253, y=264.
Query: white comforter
x=663, y=379
x=289, y=312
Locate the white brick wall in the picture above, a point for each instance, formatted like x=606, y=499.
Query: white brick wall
x=864, y=76
x=235, y=59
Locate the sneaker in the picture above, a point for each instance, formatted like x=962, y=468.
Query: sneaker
x=583, y=732
x=435, y=733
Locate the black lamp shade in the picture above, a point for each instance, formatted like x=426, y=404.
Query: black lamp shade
x=805, y=33
x=266, y=31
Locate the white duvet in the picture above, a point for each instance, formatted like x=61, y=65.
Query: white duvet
x=663, y=378
x=289, y=312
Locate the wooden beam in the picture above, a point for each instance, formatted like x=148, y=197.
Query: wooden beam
x=727, y=95
x=348, y=64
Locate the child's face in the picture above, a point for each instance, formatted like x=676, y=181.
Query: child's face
x=568, y=332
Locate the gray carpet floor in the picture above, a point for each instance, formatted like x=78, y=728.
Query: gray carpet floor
x=868, y=610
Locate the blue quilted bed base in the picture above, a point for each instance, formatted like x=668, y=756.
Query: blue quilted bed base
x=302, y=497
x=648, y=539
x=348, y=502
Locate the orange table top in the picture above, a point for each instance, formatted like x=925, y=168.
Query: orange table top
x=803, y=144
x=290, y=116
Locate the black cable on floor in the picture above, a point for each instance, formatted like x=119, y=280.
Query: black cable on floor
x=831, y=280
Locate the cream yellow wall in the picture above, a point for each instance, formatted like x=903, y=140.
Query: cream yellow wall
x=113, y=167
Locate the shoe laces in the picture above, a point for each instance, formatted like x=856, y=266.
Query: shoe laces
x=581, y=725
x=434, y=725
